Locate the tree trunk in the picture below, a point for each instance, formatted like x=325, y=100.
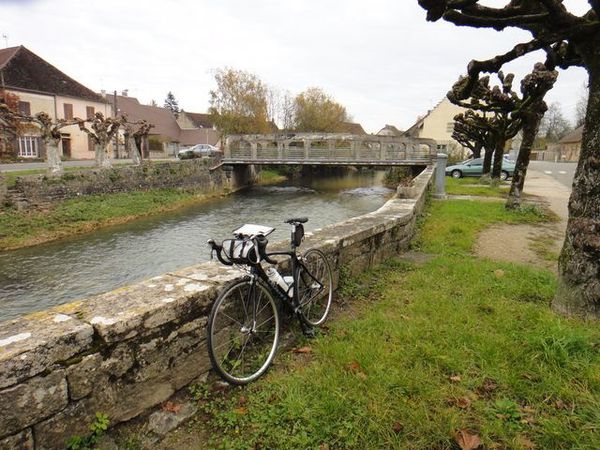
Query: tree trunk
x=55, y=165
x=578, y=291
x=102, y=155
x=477, y=150
x=134, y=152
x=487, y=160
x=498, y=156
x=531, y=125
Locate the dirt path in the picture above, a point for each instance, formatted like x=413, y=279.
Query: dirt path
x=536, y=245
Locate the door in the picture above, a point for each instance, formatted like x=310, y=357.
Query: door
x=66, y=145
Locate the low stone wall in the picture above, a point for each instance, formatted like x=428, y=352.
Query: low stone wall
x=123, y=352
x=194, y=175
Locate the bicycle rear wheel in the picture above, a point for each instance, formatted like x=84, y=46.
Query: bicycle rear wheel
x=315, y=287
x=243, y=331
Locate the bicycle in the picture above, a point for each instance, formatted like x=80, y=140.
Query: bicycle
x=244, y=323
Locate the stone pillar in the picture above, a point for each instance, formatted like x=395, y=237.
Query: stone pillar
x=307, y=144
x=440, y=176
x=254, y=151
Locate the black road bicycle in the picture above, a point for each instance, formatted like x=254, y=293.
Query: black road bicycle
x=244, y=323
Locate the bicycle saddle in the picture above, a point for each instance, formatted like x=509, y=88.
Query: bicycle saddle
x=296, y=220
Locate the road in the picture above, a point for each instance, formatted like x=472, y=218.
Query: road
x=561, y=172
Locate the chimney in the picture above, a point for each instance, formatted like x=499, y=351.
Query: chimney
x=124, y=92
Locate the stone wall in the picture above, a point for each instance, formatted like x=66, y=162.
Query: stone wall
x=193, y=175
x=126, y=351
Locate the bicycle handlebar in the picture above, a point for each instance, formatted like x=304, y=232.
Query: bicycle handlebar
x=218, y=249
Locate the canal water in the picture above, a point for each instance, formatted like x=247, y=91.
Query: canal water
x=39, y=277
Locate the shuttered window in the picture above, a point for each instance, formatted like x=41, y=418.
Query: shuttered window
x=68, y=111
x=89, y=112
x=25, y=108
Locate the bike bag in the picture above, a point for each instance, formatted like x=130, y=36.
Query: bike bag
x=241, y=251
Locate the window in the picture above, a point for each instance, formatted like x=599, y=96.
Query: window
x=442, y=147
x=25, y=108
x=68, y=111
x=89, y=112
x=90, y=143
x=29, y=146
x=450, y=127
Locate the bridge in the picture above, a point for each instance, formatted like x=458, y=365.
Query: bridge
x=333, y=149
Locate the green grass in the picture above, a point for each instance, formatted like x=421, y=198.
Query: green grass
x=269, y=176
x=471, y=186
x=11, y=176
x=84, y=214
x=456, y=343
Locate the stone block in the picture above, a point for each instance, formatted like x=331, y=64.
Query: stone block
x=32, y=344
x=19, y=441
x=24, y=404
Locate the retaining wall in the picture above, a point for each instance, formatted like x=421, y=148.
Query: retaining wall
x=192, y=175
x=123, y=352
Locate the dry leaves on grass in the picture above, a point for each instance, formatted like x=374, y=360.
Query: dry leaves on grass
x=455, y=378
x=460, y=402
x=355, y=368
x=303, y=350
x=467, y=440
x=171, y=407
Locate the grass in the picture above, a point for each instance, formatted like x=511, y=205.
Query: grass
x=425, y=353
x=75, y=216
x=471, y=186
x=11, y=176
x=271, y=176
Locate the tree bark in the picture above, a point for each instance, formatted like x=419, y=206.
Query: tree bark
x=55, y=165
x=498, y=156
x=531, y=125
x=578, y=291
x=134, y=152
x=477, y=150
x=487, y=160
x=102, y=151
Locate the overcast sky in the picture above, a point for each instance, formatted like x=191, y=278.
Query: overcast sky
x=379, y=58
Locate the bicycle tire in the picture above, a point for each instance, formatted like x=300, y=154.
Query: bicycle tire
x=232, y=330
x=314, y=282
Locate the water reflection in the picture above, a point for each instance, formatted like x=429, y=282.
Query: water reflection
x=35, y=278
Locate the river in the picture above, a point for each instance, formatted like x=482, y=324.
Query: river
x=39, y=277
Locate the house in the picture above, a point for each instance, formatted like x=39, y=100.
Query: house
x=352, y=128
x=438, y=124
x=41, y=87
x=169, y=133
x=569, y=147
x=390, y=130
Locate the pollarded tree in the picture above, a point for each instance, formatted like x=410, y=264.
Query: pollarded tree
x=497, y=103
x=101, y=131
x=50, y=134
x=569, y=40
x=239, y=103
x=534, y=88
x=139, y=135
x=468, y=133
x=314, y=110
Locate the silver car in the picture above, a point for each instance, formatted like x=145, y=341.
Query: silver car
x=198, y=151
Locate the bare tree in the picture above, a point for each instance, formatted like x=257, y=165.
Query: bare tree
x=569, y=40
x=101, y=130
x=554, y=125
x=581, y=106
x=51, y=137
x=139, y=136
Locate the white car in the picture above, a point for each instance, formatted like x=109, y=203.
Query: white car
x=198, y=151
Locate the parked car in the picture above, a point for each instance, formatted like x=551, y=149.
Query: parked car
x=474, y=168
x=198, y=151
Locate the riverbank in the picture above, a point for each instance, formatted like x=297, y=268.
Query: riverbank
x=20, y=229
x=437, y=349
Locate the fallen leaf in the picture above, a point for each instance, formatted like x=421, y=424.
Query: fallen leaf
x=398, y=426
x=455, y=378
x=242, y=400
x=462, y=402
x=354, y=366
x=487, y=387
x=467, y=440
x=402, y=316
x=525, y=443
x=241, y=410
x=323, y=447
x=303, y=350
x=171, y=407
x=362, y=375
x=499, y=273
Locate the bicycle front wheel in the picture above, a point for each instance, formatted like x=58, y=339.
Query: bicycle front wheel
x=315, y=287
x=243, y=331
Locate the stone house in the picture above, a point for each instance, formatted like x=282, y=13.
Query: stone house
x=390, y=130
x=169, y=133
x=352, y=128
x=438, y=124
x=566, y=149
x=41, y=87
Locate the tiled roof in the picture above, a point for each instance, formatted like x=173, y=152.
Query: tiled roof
x=352, y=128
x=201, y=120
x=24, y=70
x=573, y=137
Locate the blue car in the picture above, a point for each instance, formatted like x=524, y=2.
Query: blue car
x=474, y=168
